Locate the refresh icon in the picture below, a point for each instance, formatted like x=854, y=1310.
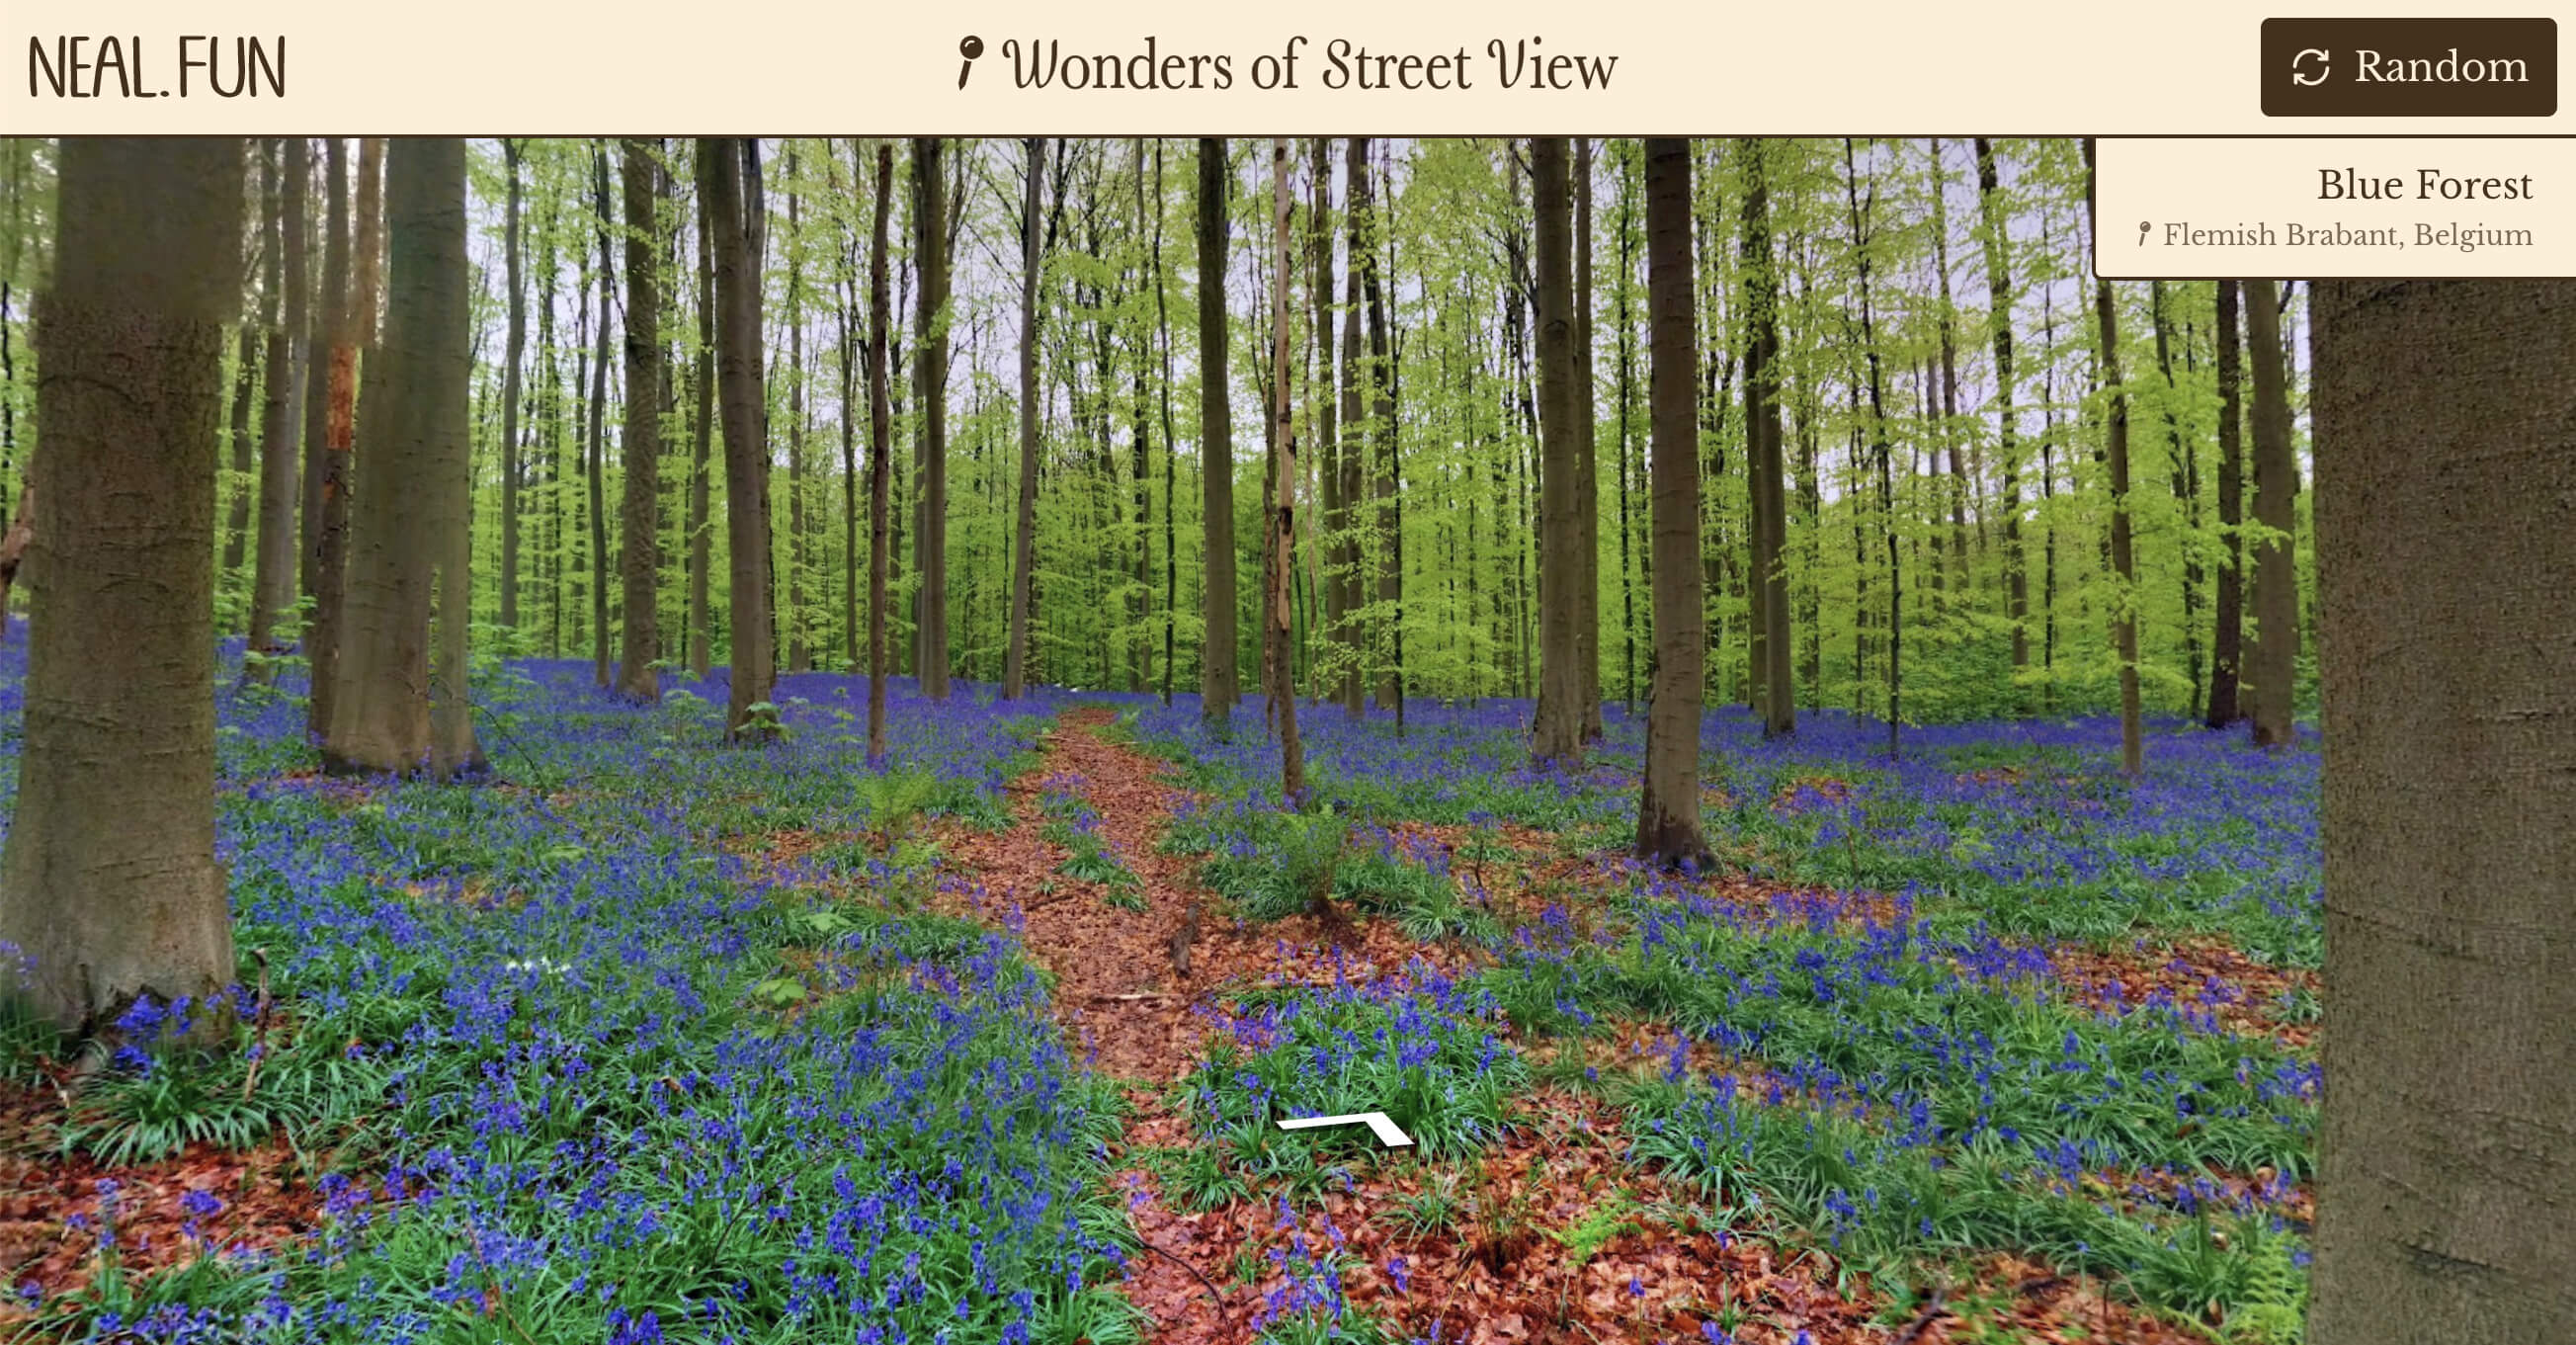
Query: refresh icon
x=2298, y=66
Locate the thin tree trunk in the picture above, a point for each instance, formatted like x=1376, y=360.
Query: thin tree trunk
x=1557, y=735
x=595, y=451
x=1779, y=705
x=640, y=451
x=930, y=334
x=725, y=170
x=1171, y=455
x=1390, y=506
x=2448, y=1144
x=2124, y=618
x=880, y=446
x=1024, y=527
x=515, y=350
x=109, y=885
x=2227, y=638
x=702, y=434
x=1668, y=809
x=1861, y=237
x=245, y=471
x=1587, y=470
x=1999, y=319
x=1217, y=684
x=1283, y=529
x=2186, y=497
x=2275, y=661
x=273, y=587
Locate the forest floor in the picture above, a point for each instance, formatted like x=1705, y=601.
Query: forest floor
x=1552, y=1238
x=1987, y=1044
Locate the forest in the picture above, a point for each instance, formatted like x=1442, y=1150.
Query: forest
x=818, y=738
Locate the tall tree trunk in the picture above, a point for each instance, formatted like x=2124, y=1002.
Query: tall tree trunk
x=850, y=357
x=702, y=434
x=400, y=702
x=1333, y=415
x=725, y=167
x=1779, y=706
x=2274, y=666
x=273, y=587
x=930, y=334
x=1587, y=470
x=1217, y=685
x=1389, y=524
x=1999, y=319
x=1024, y=524
x=595, y=449
x=1627, y=366
x=799, y=653
x=639, y=452
x=1283, y=521
x=1948, y=438
x=2124, y=569
x=2448, y=1141
x=2227, y=638
x=1557, y=735
x=2185, y=491
x=109, y=885
x=331, y=410
x=1861, y=236
x=515, y=348
x=1171, y=455
x=1668, y=808
x=232, y=576
x=880, y=445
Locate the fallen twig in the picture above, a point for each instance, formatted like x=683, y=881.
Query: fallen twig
x=1932, y=1312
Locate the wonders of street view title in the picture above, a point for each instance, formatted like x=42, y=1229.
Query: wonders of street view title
x=1297, y=62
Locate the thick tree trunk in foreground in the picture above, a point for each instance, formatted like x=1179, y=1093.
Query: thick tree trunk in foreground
x=400, y=701
x=1556, y=736
x=108, y=880
x=2446, y=537
x=2273, y=670
x=1218, y=689
x=722, y=170
x=1668, y=810
x=640, y=451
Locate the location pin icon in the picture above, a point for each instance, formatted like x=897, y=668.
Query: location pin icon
x=2143, y=226
x=971, y=48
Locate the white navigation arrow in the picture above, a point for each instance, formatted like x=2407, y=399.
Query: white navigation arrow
x=1387, y=1131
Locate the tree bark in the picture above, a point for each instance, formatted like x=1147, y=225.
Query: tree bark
x=880, y=444
x=702, y=435
x=723, y=167
x=1556, y=737
x=515, y=350
x=245, y=469
x=1218, y=689
x=1668, y=807
x=1283, y=524
x=2446, y=536
x=930, y=333
x=273, y=586
x=2227, y=638
x=2274, y=666
x=1999, y=318
x=1024, y=524
x=640, y=450
x=400, y=697
x=1389, y=524
x=595, y=450
x=1587, y=470
x=109, y=885
x=1779, y=705
x=352, y=286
